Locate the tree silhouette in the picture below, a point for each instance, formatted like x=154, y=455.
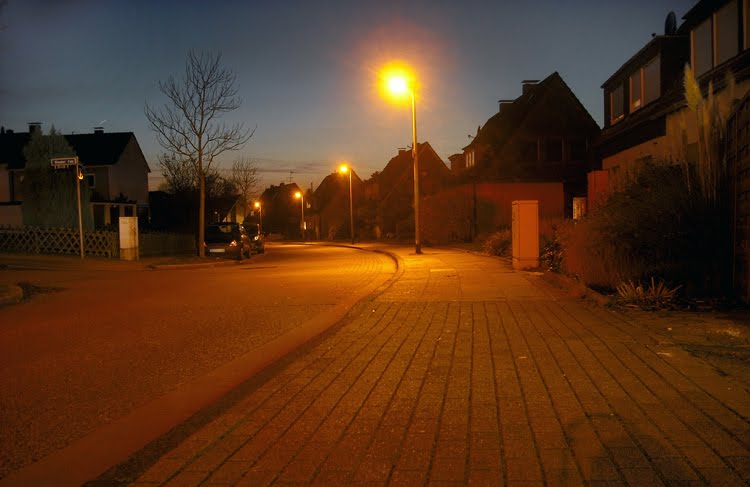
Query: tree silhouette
x=188, y=124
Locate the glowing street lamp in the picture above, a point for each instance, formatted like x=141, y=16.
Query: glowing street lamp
x=301, y=197
x=400, y=83
x=343, y=169
x=260, y=215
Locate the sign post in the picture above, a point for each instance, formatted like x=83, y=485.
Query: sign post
x=62, y=163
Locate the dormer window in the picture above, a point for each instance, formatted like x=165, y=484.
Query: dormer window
x=616, y=104
x=636, y=88
x=715, y=40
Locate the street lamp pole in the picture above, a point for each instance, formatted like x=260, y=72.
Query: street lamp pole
x=260, y=216
x=301, y=196
x=417, y=239
x=351, y=207
x=343, y=169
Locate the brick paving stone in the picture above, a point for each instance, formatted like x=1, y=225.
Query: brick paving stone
x=485, y=380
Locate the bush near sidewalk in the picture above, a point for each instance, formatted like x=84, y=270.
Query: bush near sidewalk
x=655, y=227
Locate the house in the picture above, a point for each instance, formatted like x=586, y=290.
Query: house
x=544, y=135
x=646, y=118
x=281, y=211
x=331, y=206
x=113, y=165
x=393, y=189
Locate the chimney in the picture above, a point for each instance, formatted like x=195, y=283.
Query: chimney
x=35, y=127
x=527, y=84
x=98, y=130
x=503, y=105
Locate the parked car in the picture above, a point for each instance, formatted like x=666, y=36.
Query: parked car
x=228, y=239
x=257, y=240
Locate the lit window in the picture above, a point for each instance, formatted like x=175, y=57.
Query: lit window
x=726, y=32
x=702, y=47
x=635, y=91
x=651, y=80
x=616, y=104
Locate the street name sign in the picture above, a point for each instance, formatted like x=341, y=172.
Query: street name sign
x=60, y=162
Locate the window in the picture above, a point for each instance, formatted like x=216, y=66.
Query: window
x=91, y=180
x=616, y=104
x=702, y=48
x=725, y=21
x=635, y=90
x=577, y=150
x=716, y=39
x=652, y=80
x=554, y=150
x=470, y=158
x=529, y=151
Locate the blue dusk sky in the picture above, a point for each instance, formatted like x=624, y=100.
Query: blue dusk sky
x=307, y=70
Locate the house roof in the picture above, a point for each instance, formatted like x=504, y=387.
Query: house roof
x=501, y=126
x=403, y=164
x=100, y=149
x=651, y=49
x=332, y=185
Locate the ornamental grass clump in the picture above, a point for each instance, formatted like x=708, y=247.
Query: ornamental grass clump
x=655, y=296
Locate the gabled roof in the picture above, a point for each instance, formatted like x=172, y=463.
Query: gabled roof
x=11, y=149
x=332, y=185
x=98, y=149
x=102, y=149
x=403, y=163
x=501, y=126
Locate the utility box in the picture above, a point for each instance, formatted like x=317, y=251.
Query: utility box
x=525, y=234
x=128, y=237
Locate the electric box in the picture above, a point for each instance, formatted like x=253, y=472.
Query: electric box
x=525, y=234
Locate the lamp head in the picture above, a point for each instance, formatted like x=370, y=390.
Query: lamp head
x=298, y=195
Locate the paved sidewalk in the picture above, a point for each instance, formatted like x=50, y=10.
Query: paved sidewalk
x=465, y=372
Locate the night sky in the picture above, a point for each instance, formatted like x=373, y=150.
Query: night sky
x=307, y=70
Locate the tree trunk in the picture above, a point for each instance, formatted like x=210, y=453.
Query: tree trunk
x=201, y=202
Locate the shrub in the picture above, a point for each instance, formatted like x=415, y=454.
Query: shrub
x=655, y=296
x=657, y=227
x=498, y=243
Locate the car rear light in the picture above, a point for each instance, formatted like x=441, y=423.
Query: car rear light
x=233, y=243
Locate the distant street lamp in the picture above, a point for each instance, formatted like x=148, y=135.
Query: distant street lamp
x=399, y=83
x=343, y=170
x=301, y=197
x=260, y=215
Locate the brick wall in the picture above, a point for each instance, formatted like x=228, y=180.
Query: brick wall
x=448, y=216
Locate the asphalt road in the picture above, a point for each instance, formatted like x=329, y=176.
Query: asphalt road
x=109, y=343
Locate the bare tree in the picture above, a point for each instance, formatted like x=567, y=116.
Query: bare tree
x=244, y=176
x=187, y=125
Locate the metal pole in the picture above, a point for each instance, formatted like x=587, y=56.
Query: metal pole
x=417, y=239
x=80, y=221
x=351, y=207
x=302, y=223
x=260, y=215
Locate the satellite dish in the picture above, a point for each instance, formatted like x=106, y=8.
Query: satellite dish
x=670, y=25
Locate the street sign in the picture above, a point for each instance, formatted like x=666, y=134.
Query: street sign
x=60, y=162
